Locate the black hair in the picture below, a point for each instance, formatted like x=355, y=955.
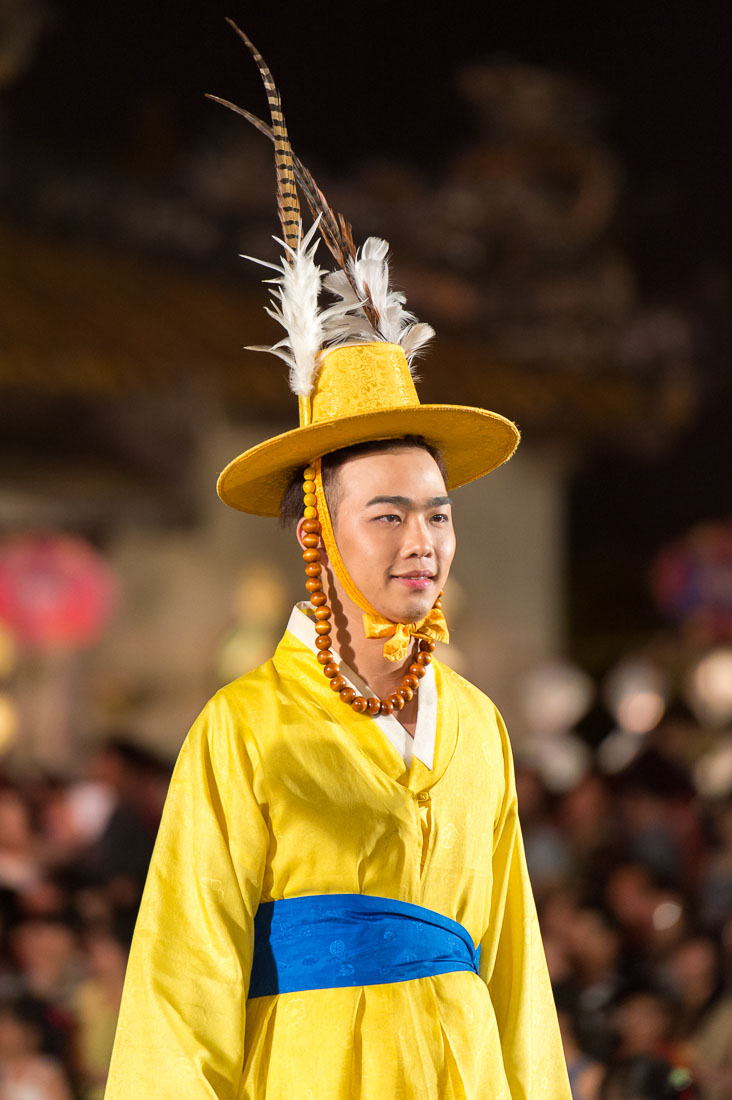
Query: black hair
x=291, y=504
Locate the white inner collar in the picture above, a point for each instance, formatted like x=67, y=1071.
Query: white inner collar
x=422, y=745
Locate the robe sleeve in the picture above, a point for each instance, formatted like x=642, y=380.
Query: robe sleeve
x=514, y=966
x=181, y=1025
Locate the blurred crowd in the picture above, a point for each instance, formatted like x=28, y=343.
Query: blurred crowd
x=633, y=881
x=73, y=860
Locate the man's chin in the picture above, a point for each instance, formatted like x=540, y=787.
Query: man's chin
x=412, y=612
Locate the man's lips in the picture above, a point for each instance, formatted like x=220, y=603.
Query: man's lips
x=414, y=580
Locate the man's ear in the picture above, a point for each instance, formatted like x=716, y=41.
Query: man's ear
x=300, y=533
x=321, y=546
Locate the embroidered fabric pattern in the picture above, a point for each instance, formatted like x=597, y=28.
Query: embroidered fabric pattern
x=355, y=380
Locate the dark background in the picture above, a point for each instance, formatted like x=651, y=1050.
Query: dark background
x=120, y=87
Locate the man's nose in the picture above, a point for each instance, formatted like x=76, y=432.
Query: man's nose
x=417, y=538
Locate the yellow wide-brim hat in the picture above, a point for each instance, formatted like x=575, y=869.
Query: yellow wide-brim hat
x=362, y=393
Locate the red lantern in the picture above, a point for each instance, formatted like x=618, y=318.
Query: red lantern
x=55, y=590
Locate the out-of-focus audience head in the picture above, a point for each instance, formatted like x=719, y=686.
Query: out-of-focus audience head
x=693, y=972
x=595, y=939
x=630, y=896
x=29, y=1069
x=22, y=1027
x=46, y=955
x=642, y=1022
x=642, y=1077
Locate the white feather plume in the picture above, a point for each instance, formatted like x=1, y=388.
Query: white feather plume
x=294, y=305
x=309, y=329
x=370, y=275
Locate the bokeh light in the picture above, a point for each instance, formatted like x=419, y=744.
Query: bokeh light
x=636, y=692
x=708, y=687
x=555, y=696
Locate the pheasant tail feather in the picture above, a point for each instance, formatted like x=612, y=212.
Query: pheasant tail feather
x=363, y=287
x=288, y=204
x=334, y=229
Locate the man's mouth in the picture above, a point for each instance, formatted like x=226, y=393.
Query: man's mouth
x=416, y=580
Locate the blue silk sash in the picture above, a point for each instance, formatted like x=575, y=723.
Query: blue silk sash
x=333, y=940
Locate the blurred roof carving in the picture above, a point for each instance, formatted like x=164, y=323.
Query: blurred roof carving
x=511, y=252
x=103, y=326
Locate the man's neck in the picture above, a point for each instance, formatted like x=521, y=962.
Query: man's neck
x=366, y=655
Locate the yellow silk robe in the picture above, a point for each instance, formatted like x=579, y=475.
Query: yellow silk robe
x=281, y=791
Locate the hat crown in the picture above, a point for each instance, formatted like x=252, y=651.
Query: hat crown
x=361, y=378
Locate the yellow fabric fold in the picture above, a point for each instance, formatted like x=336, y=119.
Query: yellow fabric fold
x=399, y=635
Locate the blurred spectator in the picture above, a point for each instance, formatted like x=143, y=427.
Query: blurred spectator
x=48, y=960
x=651, y=840
x=585, y=1072
x=120, y=855
x=694, y=973
x=589, y=820
x=710, y=1048
x=548, y=855
x=595, y=945
x=715, y=900
x=96, y=1006
x=642, y=1023
x=660, y=826
x=25, y=1072
x=19, y=865
x=652, y=918
x=641, y=1077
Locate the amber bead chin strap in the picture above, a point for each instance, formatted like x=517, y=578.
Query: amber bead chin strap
x=323, y=615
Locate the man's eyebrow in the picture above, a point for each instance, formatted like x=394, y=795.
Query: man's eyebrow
x=408, y=504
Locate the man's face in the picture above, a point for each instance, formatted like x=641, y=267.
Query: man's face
x=393, y=526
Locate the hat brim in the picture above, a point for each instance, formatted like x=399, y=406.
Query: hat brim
x=472, y=441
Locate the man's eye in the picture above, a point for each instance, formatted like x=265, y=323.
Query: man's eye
x=441, y=517
x=390, y=518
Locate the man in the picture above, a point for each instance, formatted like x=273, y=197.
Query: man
x=338, y=905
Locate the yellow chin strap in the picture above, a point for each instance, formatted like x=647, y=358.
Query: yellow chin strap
x=399, y=635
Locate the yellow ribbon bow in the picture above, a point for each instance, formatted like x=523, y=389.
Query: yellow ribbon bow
x=399, y=635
